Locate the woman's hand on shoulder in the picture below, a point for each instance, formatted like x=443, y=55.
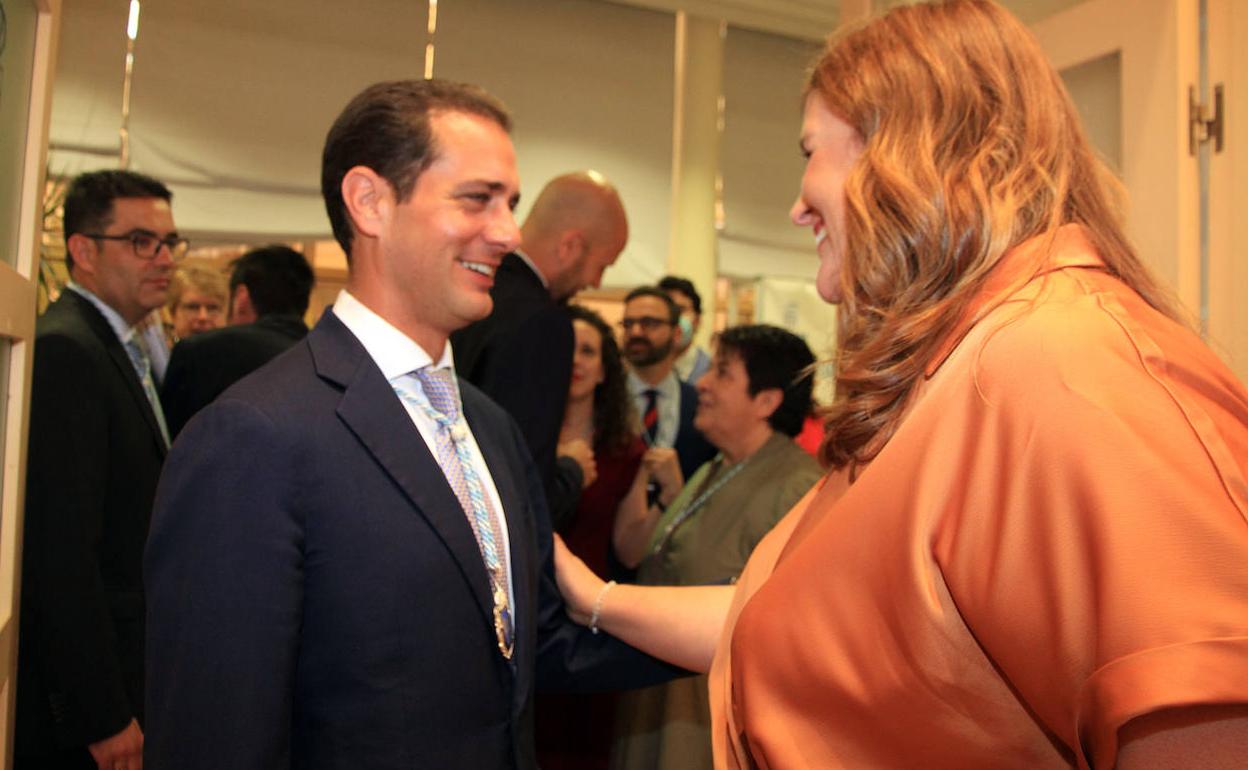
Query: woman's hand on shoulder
x=577, y=582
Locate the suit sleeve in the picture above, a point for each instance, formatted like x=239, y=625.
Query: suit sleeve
x=224, y=578
x=538, y=355
x=569, y=657
x=565, y=494
x=73, y=641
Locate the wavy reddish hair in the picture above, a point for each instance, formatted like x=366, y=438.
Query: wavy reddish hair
x=972, y=146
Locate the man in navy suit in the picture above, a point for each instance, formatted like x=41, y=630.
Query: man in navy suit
x=97, y=441
x=350, y=559
x=666, y=406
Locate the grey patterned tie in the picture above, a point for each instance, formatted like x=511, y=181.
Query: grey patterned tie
x=143, y=368
x=438, y=399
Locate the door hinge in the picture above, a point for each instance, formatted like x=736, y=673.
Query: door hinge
x=1204, y=124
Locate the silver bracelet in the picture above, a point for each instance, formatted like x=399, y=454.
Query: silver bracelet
x=602, y=594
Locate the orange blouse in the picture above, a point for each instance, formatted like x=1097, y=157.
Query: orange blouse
x=1054, y=542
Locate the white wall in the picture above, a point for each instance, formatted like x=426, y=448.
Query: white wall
x=761, y=162
x=590, y=86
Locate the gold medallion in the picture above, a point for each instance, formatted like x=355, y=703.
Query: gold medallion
x=503, y=626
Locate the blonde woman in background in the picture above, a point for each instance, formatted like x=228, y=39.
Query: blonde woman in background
x=197, y=301
x=1031, y=550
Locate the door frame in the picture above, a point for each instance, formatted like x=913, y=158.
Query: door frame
x=1158, y=45
x=18, y=285
x=1227, y=25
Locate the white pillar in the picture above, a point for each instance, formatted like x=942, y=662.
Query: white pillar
x=695, y=157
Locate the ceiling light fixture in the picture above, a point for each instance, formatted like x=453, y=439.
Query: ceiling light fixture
x=433, y=27
x=132, y=34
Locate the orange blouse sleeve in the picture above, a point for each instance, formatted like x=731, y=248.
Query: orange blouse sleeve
x=1101, y=556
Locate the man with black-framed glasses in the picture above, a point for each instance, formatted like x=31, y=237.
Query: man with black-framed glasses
x=649, y=336
x=97, y=443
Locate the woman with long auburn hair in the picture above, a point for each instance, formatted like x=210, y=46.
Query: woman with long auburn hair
x=1031, y=549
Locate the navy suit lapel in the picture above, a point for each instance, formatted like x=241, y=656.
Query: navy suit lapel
x=373, y=412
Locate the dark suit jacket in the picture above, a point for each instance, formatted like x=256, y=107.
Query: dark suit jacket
x=521, y=356
x=203, y=366
x=94, y=457
x=691, y=446
x=317, y=598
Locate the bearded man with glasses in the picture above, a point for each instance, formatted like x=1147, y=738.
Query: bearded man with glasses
x=97, y=442
x=650, y=337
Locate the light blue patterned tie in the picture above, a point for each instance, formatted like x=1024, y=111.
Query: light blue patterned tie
x=438, y=399
x=143, y=367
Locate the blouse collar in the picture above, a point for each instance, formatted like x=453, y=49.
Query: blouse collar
x=1066, y=247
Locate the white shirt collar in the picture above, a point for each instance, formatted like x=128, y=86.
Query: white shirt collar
x=532, y=267
x=123, y=330
x=395, y=353
x=668, y=387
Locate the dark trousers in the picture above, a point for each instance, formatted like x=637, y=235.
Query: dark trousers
x=72, y=759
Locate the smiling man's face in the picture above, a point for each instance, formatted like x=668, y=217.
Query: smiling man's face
x=444, y=243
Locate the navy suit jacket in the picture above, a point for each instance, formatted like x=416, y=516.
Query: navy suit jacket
x=94, y=457
x=317, y=598
x=521, y=356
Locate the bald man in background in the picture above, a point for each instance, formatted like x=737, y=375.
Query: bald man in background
x=521, y=355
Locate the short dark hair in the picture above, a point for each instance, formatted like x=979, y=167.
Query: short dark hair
x=670, y=283
x=278, y=280
x=774, y=358
x=614, y=420
x=89, y=200
x=386, y=128
x=653, y=291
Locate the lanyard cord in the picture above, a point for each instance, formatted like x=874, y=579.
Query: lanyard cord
x=708, y=489
x=490, y=551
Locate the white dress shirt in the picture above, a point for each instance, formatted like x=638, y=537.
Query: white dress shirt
x=123, y=330
x=668, y=402
x=692, y=364
x=396, y=355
